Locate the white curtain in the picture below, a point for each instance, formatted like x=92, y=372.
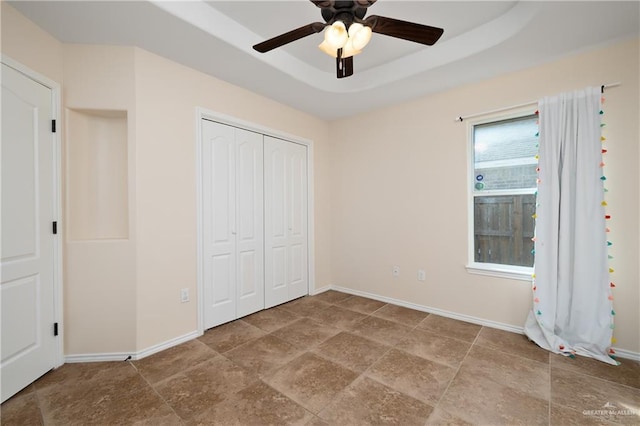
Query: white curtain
x=572, y=310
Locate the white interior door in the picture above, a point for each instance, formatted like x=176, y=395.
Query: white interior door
x=297, y=231
x=250, y=223
x=28, y=345
x=286, y=241
x=233, y=247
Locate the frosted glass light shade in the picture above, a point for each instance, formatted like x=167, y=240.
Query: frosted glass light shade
x=359, y=36
x=354, y=28
x=348, y=49
x=326, y=48
x=336, y=35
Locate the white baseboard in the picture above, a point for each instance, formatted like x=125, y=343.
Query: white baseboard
x=620, y=353
x=124, y=356
x=623, y=353
x=166, y=345
x=320, y=290
x=111, y=356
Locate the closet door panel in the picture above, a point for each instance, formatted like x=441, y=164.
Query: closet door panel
x=285, y=221
x=297, y=220
x=222, y=276
x=275, y=180
x=219, y=213
x=250, y=232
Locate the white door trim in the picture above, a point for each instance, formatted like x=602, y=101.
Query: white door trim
x=203, y=113
x=57, y=198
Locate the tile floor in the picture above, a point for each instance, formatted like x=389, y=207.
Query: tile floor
x=336, y=359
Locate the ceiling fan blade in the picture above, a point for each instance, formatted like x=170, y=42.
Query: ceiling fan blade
x=285, y=38
x=411, y=31
x=344, y=67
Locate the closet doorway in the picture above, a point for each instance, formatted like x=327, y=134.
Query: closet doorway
x=254, y=204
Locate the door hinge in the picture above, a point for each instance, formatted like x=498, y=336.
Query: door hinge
x=53, y=126
x=54, y=227
x=55, y=328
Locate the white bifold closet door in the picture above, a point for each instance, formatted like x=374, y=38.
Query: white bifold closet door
x=233, y=220
x=286, y=241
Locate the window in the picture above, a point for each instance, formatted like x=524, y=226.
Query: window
x=503, y=184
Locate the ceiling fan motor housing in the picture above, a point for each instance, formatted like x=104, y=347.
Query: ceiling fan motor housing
x=345, y=11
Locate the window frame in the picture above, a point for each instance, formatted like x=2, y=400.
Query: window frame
x=522, y=273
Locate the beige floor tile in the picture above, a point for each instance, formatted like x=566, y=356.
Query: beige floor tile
x=354, y=352
x=305, y=333
x=311, y=381
x=525, y=376
x=448, y=327
x=350, y=361
x=263, y=355
x=401, y=315
x=584, y=393
x=271, y=319
x=627, y=373
x=412, y=375
x=361, y=304
x=120, y=399
x=72, y=373
x=381, y=330
x=196, y=389
x=317, y=421
x=367, y=402
x=332, y=296
x=563, y=416
x=305, y=306
x=338, y=317
x=87, y=383
x=227, y=336
x=21, y=409
x=439, y=417
x=258, y=404
x=477, y=400
x=174, y=360
x=434, y=347
x=513, y=343
x=166, y=418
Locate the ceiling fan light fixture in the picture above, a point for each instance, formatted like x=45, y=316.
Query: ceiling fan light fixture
x=360, y=36
x=349, y=50
x=347, y=32
x=326, y=48
x=336, y=35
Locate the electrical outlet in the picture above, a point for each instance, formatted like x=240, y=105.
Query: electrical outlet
x=395, y=271
x=184, y=295
x=422, y=276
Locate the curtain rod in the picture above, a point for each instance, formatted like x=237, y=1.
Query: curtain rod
x=462, y=118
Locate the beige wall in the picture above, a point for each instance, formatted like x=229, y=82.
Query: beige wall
x=100, y=272
x=25, y=42
x=399, y=192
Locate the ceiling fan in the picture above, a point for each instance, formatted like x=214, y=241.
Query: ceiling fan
x=347, y=31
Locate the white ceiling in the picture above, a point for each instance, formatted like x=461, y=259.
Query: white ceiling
x=481, y=39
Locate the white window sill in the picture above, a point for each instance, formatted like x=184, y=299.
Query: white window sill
x=501, y=271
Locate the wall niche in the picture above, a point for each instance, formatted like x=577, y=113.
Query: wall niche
x=97, y=166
